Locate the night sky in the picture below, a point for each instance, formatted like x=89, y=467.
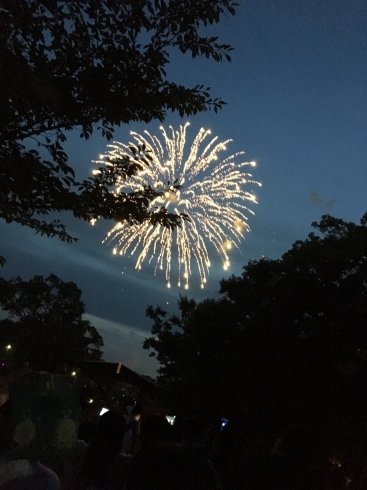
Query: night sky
x=296, y=94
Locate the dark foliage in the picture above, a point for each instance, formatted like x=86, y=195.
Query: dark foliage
x=286, y=344
x=45, y=324
x=88, y=65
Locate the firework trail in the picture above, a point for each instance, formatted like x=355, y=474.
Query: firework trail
x=212, y=195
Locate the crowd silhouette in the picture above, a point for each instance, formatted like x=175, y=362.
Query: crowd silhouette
x=124, y=446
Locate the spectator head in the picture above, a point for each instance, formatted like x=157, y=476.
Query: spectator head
x=155, y=429
x=105, y=446
x=170, y=467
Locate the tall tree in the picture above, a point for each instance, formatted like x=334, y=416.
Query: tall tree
x=199, y=351
x=45, y=324
x=287, y=343
x=89, y=65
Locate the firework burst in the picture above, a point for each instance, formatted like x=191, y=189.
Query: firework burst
x=212, y=195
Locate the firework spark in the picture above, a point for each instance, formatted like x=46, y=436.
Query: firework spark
x=212, y=195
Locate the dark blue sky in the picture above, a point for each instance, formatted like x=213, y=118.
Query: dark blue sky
x=297, y=104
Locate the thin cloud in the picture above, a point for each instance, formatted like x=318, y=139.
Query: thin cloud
x=123, y=343
x=315, y=198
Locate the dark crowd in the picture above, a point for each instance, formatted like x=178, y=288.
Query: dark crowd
x=120, y=444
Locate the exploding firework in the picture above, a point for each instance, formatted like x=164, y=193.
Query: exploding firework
x=212, y=195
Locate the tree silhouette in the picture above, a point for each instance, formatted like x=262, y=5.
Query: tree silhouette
x=285, y=344
x=90, y=65
x=45, y=324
